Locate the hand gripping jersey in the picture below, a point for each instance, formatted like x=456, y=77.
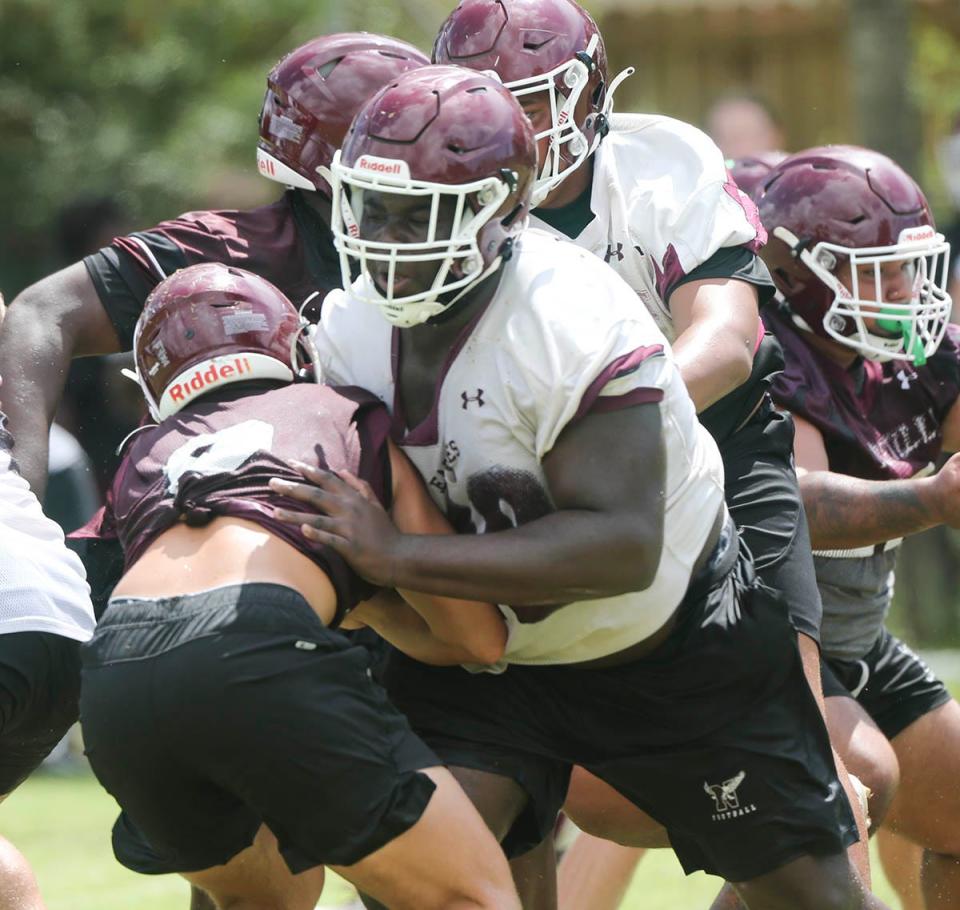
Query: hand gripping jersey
x=285, y=242
x=879, y=421
x=43, y=587
x=664, y=204
x=535, y=360
x=216, y=458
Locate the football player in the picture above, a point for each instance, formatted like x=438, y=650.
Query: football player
x=45, y=613
x=240, y=732
x=559, y=438
x=92, y=306
x=872, y=380
x=652, y=197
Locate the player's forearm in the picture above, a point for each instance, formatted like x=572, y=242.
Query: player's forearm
x=563, y=557
x=400, y=624
x=33, y=364
x=477, y=630
x=846, y=512
x=711, y=363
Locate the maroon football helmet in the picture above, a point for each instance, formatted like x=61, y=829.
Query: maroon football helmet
x=840, y=218
x=751, y=171
x=210, y=325
x=537, y=46
x=312, y=95
x=451, y=136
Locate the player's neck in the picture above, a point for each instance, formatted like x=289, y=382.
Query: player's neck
x=319, y=204
x=439, y=334
x=571, y=188
x=832, y=350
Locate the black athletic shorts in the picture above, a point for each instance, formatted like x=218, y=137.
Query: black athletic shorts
x=894, y=686
x=39, y=691
x=208, y=715
x=763, y=497
x=715, y=734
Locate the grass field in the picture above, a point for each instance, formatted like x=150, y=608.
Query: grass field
x=62, y=825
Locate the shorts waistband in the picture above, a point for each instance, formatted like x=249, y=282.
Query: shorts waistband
x=861, y=552
x=140, y=627
x=719, y=564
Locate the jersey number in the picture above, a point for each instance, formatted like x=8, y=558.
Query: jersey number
x=218, y=453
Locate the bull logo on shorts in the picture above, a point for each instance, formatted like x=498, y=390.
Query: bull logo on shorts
x=726, y=801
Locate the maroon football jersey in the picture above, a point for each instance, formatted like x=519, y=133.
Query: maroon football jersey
x=216, y=458
x=286, y=242
x=880, y=421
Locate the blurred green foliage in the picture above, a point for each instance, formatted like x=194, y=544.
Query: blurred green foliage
x=153, y=103
x=936, y=87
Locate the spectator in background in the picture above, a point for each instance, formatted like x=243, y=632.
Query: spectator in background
x=949, y=155
x=71, y=496
x=743, y=124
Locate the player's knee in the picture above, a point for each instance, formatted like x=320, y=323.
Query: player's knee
x=809, y=883
x=943, y=845
x=881, y=776
x=19, y=886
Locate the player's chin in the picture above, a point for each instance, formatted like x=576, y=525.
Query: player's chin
x=403, y=285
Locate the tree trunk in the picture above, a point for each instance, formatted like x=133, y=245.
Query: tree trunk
x=881, y=50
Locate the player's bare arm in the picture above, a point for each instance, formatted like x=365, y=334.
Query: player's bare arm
x=606, y=476
x=48, y=324
x=717, y=321
x=845, y=512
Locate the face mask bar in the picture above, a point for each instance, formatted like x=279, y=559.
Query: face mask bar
x=568, y=145
x=460, y=248
x=304, y=357
x=916, y=324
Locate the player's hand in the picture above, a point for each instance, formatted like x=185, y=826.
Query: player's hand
x=947, y=481
x=353, y=523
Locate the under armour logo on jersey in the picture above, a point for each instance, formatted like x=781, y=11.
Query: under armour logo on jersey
x=726, y=800
x=468, y=399
x=611, y=252
x=905, y=378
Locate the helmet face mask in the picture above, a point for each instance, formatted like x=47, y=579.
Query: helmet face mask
x=912, y=324
x=457, y=214
x=210, y=325
x=568, y=147
x=431, y=187
x=551, y=47
x=854, y=252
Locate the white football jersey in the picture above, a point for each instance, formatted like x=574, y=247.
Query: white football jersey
x=43, y=585
x=664, y=204
x=563, y=336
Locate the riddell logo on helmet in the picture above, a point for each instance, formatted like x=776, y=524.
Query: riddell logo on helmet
x=265, y=166
x=917, y=234
x=386, y=167
x=214, y=374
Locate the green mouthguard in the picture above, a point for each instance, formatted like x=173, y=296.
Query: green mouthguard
x=912, y=344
